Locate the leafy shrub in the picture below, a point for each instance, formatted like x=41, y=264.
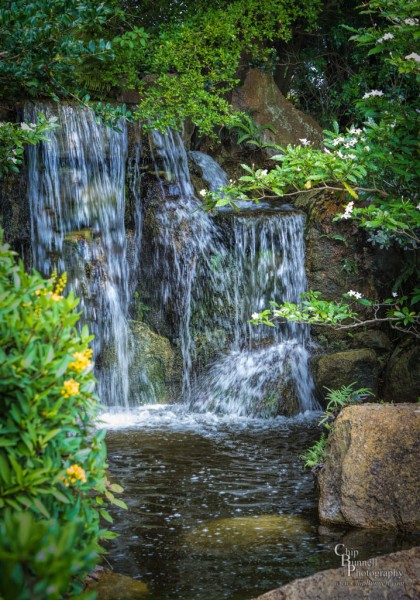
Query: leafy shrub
x=53, y=486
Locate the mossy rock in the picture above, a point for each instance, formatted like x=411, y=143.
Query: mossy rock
x=333, y=371
x=403, y=373
x=155, y=367
x=112, y=586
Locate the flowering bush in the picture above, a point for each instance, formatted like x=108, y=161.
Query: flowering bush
x=53, y=486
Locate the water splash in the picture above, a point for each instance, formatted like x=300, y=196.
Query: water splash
x=77, y=204
x=266, y=371
x=212, y=172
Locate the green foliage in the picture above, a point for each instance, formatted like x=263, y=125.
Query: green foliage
x=14, y=136
x=315, y=455
x=43, y=42
x=356, y=311
x=250, y=133
x=337, y=400
x=53, y=485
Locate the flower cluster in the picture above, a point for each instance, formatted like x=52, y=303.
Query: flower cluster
x=356, y=295
x=387, y=36
x=348, y=211
x=70, y=388
x=372, y=94
x=75, y=473
x=82, y=361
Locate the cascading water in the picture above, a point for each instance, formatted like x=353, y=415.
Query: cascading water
x=77, y=203
x=218, y=281
x=266, y=369
x=187, y=238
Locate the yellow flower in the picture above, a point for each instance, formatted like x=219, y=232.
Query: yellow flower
x=61, y=284
x=37, y=292
x=308, y=185
x=75, y=473
x=70, y=388
x=82, y=361
x=56, y=297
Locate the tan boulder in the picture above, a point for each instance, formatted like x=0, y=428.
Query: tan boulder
x=261, y=98
x=371, y=475
x=390, y=577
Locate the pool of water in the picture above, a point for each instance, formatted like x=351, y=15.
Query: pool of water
x=220, y=508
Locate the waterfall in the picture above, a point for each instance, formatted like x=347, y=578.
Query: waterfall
x=212, y=172
x=214, y=273
x=77, y=204
x=266, y=369
x=187, y=238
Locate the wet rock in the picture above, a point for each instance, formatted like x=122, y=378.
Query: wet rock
x=113, y=586
x=155, y=368
x=372, y=338
x=332, y=371
x=396, y=578
x=260, y=96
x=371, y=477
x=402, y=380
x=242, y=532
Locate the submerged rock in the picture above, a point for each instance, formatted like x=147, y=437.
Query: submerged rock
x=371, y=477
x=245, y=532
x=396, y=577
x=113, y=586
x=343, y=368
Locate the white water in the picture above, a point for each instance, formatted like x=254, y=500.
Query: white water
x=77, y=203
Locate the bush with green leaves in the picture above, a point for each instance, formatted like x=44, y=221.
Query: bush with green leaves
x=53, y=485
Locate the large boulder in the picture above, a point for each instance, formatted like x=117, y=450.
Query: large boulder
x=260, y=96
x=390, y=577
x=370, y=477
x=360, y=366
x=402, y=380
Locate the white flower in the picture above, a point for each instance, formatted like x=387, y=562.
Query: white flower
x=304, y=142
x=14, y=160
x=387, y=36
x=255, y=316
x=356, y=295
x=394, y=295
x=413, y=56
x=26, y=127
x=337, y=141
x=261, y=173
x=203, y=193
x=372, y=94
x=367, y=148
x=355, y=131
x=411, y=21
x=351, y=156
x=418, y=206
x=348, y=210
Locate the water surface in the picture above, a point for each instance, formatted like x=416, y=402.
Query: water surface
x=220, y=508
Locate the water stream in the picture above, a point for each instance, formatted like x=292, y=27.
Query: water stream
x=77, y=203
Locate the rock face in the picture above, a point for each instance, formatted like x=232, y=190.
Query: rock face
x=397, y=579
x=342, y=368
x=371, y=477
x=403, y=373
x=261, y=97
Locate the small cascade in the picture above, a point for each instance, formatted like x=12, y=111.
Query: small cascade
x=265, y=371
x=186, y=241
x=77, y=202
x=212, y=172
